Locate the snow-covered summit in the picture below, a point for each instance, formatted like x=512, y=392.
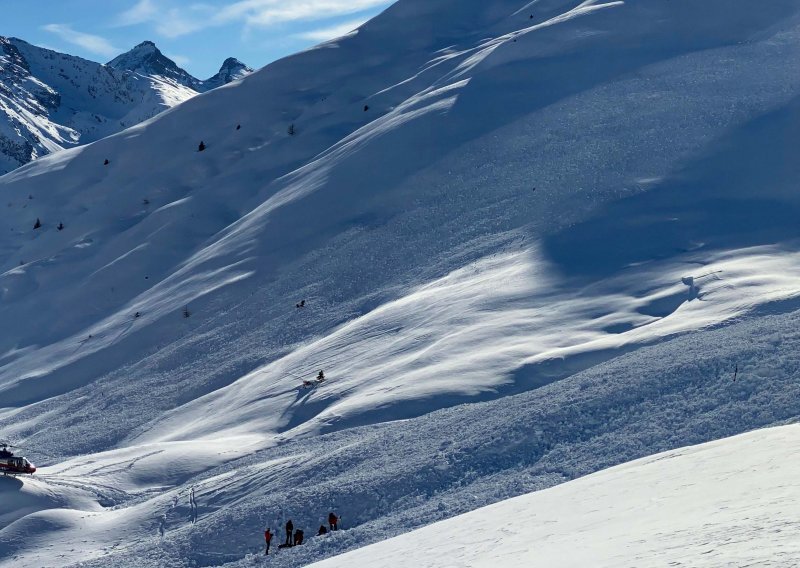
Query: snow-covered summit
x=231, y=70
x=147, y=59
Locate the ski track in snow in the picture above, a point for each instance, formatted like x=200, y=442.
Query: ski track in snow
x=534, y=240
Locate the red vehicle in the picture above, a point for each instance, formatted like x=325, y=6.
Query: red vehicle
x=14, y=465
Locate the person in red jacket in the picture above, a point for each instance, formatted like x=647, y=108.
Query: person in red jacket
x=333, y=521
x=268, y=538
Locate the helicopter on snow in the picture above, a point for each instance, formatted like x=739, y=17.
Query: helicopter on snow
x=11, y=464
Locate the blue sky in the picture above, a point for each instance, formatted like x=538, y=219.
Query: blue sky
x=197, y=34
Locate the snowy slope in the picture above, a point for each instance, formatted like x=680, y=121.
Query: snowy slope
x=388, y=478
x=727, y=503
x=589, y=206
x=50, y=101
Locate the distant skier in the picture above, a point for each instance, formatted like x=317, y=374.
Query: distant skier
x=298, y=537
x=268, y=539
x=201, y=147
x=333, y=521
x=320, y=376
x=289, y=532
x=105, y=163
x=322, y=530
x=302, y=304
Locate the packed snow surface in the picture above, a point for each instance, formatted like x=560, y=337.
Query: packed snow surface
x=534, y=240
x=728, y=503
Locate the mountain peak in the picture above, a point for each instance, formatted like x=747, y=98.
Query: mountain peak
x=147, y=59
x=143, y=51
x=232, y=69
x=147, y=47
x=231, y=61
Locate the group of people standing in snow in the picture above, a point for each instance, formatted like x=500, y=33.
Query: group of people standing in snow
x=294, y=537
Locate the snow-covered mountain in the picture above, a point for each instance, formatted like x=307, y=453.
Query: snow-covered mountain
x=146, y=59
x=50, y=101
x=232, y=70
x=534, y=240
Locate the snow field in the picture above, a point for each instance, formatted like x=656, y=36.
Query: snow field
x=605, y=244
x=726, y=503
x=387, y=478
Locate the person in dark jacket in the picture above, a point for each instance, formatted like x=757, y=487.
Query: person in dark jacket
x=298, y=537
x=322, y=530
x=333, y=521
x=268, y=539
x=289, y=532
